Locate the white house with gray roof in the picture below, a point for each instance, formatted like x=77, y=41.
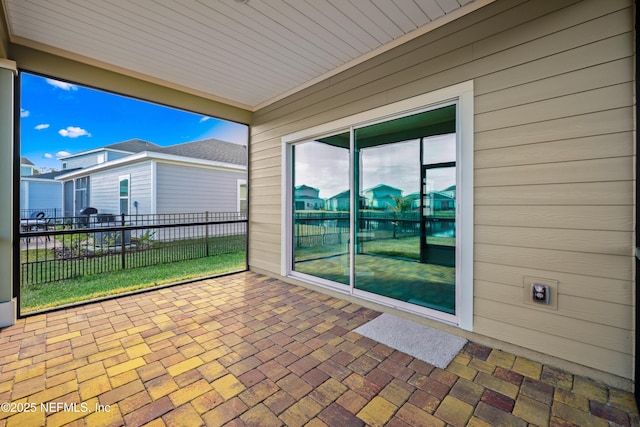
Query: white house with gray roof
x=139, y=177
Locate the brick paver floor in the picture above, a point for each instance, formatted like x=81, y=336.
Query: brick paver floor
x=250, y=350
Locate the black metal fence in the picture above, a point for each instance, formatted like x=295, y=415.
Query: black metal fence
x=330, y=228
x=59, y=248
x=49, y=212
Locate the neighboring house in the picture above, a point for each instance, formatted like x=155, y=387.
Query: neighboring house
x=27, y=168
x=199, y=176
x=381, y=196
x=307, y=198
x=41, y=192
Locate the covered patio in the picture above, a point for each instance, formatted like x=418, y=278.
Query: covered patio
x=529, y=104
x=246, y=349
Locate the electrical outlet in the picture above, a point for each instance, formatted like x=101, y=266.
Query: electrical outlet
x=540, y=292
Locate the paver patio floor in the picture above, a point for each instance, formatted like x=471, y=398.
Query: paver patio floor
x=250, y=350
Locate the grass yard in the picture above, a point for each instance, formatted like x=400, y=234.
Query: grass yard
x=35, y=297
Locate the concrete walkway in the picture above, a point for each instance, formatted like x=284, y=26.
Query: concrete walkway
x=250, y=350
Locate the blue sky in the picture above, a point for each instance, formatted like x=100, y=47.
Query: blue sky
x=58, y=118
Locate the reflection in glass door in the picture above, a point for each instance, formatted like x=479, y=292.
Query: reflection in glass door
x=405, y=226
x=321, y=203
x=438, y=220
x=375, y=208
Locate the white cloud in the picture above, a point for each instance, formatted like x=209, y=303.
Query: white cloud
x=204, y=119
x=42, y=126
x=73, y=132
x=62, y=85
x=62, y=154
x=47, y=156
x=24, y=113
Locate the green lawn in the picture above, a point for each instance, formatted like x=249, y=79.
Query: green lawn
x=41, y=296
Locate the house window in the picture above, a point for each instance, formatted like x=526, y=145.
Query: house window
x=242, y=196
x=124, y=194
x=82, y=196
x=388, y=186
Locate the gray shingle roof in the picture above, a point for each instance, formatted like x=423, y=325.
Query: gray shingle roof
x=134, y=146
x=25, y=161
x=52, y=175
x=209, y=149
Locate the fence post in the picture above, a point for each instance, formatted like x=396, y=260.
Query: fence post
x=206, y=233
x=122, y=244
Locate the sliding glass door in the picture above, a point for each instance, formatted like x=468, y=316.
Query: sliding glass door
x=375, y=209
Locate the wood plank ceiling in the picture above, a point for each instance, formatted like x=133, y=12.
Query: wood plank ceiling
x=244, y=52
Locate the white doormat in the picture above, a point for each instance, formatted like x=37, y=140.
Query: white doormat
x=422, y=342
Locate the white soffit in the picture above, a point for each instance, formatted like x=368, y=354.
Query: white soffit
x=247, y=53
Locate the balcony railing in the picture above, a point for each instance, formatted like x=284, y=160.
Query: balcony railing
x=60, y=248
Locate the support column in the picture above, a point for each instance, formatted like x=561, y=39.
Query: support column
x=8, y=304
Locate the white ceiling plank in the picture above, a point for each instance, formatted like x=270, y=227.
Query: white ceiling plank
x=249, y=17
x=345, y=24
x=217, y=46
x=431, y=8
x=193, y=40
x=313, y=25
x=315, y=45
x=448, y=5
x=234, y=67
x=360, y=20
x=393, y=11
x=413, y=12
x=330, y=29
x=247, y=40
x=371, y=11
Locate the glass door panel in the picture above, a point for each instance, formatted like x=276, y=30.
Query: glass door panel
x=392, y=227
x=321, y=203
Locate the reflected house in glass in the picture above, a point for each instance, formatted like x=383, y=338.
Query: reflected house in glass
x=444, y=200
x=307, y=198
x=381, y=196
x=339, y=202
